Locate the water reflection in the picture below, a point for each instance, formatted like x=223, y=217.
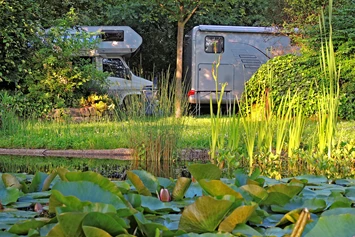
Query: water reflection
x=110, y=168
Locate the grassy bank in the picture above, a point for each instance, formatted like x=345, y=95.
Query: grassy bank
x=93, y=135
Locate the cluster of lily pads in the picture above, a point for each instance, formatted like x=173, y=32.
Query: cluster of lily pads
x=75, y=204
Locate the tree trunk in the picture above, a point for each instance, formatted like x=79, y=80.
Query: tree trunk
x=178, y=79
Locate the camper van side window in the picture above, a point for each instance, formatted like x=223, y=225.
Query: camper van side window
x=113, y=35
x=214, y=44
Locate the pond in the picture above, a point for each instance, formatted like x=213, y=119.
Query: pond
x=110, y=168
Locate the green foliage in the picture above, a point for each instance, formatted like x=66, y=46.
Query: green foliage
x=18, y=28
x=58, y=75
x=88, y=204
x=297, y=74
x=102, y=103
x=302, y=75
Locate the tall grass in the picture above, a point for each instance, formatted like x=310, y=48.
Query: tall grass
x=154, y=138
x=328, y=102
x=9, y=122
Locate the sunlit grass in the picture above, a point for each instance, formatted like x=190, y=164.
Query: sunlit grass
x=111, y=135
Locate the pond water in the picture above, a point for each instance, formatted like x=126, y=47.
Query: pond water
x=110, y=168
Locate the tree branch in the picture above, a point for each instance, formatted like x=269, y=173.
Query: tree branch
x=191, y=13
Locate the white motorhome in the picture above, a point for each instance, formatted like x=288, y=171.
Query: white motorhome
x=241, y=49
x=116, y=43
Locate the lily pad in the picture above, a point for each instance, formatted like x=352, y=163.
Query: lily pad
x=103, y=222
x=258, y=193
x=138, y=184
x=22, y=228
x=338, y=211
x=7, y=234
x=96, y=178
x=123, y=186
x=333, y=225
x=66, y=192
x=149, y=180
x=280, y=194
x=153, y=204
x=314, y=205
x=149, y=228
x=199, y=217
x=193, y=191
x=70, y=224
x=91, y=231
x=245, y=230
x=313, y=179
x=37, y=182
x=181, y=186
x=217, y=188
x=205, y=171
x=239, y=216
x=9, y=195
x=10, y=180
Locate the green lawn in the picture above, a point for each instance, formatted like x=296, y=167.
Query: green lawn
x=109, y=135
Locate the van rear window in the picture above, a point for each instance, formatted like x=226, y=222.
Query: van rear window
x=214, y=44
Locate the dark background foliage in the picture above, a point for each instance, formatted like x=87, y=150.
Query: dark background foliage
x=22, y=20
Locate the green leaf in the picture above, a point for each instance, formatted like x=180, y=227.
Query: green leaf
x=138, y=184
x=91, y=231
x=62, y=172
x=149, y=228
x=85, y=192
x=99, y=207
x=37, y=182
x=280, y=194
x=338, y=211
x=96, y=178
x=7, y=234
x=123, y=186
x=47, y=182
x=200, y=217
x=313, y=179
x=153, y=204
x=239, y=216
x=245, y=230
x=181, y=186
x=291, y=216
x=258, y=193
x=333, y=225
x=9, y=195
x=71, y=223
x=314, y=205
x=194, y=190
x=149, y=180
x=57, y=231
x=205, y=171
x=22, y=228
x=11, y=181
x=217, y=188
x=103, y=222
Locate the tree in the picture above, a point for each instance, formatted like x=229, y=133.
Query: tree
x=18, y=27
x=180, y=11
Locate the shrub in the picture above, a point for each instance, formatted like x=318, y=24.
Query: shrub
x=302, y=75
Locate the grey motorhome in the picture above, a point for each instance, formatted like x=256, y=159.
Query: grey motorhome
x=241, y=50
x=116, y=43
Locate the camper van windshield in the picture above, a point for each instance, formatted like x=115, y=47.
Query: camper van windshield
x=214, y=44
x=114, y=66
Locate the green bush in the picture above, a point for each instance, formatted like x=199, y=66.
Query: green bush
x=302, y=75
x=289, y=72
